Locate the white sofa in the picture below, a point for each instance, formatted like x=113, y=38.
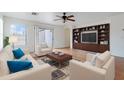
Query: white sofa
x=38, y=72
x=42, y=49
x=86, y=71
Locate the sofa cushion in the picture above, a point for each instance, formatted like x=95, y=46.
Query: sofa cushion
x=15, y=66
x=92, y=58
x=18, y=53
x=4, y=70
x=87, y=62
x=102, y=59
x=46, y=49
x=44, y=45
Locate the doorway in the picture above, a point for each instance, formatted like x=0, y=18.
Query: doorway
x=43, y=38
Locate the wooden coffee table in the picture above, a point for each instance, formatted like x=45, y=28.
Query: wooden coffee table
x=60, y=59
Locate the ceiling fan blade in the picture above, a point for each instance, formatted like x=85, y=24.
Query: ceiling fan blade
x=71, y=19
x=70, y=16
x=57, y=19
x=58, y=16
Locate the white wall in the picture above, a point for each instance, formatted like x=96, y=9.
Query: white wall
x=67, y=37
x=68, y=30
x=117, y=35
x=103, y=21
x=59, y=35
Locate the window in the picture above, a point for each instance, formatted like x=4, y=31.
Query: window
x=19, y=30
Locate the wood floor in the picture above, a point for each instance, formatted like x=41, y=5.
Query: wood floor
x=119, y=68
x=119, y=63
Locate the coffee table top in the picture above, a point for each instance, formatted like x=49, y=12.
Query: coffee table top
x=59, y=58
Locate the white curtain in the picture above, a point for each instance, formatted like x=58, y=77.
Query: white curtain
x=1, y=32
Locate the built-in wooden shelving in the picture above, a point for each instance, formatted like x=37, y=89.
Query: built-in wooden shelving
x=103, y=38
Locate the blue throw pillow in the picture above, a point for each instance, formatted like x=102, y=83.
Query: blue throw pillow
x=18, y=53
x=15, y=66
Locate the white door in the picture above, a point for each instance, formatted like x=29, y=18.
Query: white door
x=49, y=38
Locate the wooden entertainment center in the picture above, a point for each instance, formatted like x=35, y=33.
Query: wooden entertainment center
x=103, y=41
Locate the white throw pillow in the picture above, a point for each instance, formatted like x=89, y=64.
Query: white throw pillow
x=102, y=59
x=8, y=49
x=4, y=70
x=93, y=60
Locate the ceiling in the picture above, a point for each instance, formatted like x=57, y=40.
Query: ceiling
x=48, y=17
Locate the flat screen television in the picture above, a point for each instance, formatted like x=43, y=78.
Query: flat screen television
x=89, y=37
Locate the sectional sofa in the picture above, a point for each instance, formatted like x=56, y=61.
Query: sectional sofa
x=96, y=67
x=38, y=72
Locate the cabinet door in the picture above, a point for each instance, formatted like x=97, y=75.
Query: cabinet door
x=103, y=48
x=77, y=46
x=89, y=47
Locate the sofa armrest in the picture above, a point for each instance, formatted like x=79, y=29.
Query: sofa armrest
x=83, y=71
x=43, y=72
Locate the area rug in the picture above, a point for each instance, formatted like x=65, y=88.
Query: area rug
x=57, y=74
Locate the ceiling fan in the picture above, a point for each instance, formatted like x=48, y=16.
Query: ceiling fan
x=65, y=18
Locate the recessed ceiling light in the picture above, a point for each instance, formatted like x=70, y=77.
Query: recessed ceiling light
x=35, y=13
